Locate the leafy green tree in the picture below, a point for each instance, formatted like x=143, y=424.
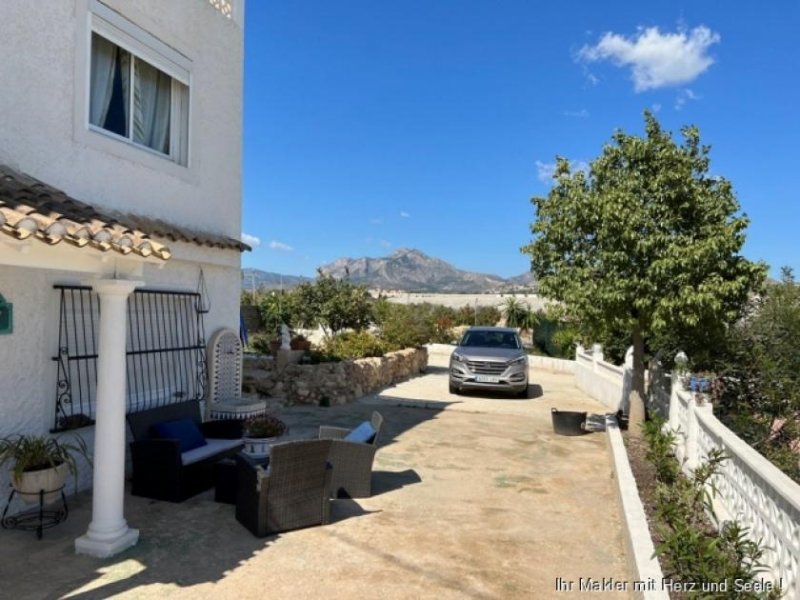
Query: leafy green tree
x=333, y=304
x=758, y=390
x=275, y=309
x=645, y=241
x=410, y=325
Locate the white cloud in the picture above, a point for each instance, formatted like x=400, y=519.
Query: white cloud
x=251, y=240
x=578, y=114
x=385, y=244
x=376, y=221
x=404, y=214
x=656, y=107
x=276, y=245
x=591, y=79
x=683, y=97
x=656, y=59
x=545, y=171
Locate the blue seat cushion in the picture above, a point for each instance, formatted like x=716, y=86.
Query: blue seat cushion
x=364, y=433
x=185, y=431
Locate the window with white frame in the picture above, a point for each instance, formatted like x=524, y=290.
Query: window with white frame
x=131, y=98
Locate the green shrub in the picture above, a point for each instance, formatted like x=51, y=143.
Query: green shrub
x=412, y=325
x=354, y=344
x=556, y=336
x=518, y=314
x=275, y=309
x=259, y=342
x=689, y=548
x=480, y=315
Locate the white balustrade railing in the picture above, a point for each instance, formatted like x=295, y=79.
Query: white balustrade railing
x=750, y=489
x=599, y=379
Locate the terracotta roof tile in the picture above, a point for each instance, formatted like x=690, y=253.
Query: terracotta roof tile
x=30, y=208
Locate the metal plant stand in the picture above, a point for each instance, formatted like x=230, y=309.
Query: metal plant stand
x=36, y=519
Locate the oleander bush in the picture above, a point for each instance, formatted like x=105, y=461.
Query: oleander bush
x=691, y=550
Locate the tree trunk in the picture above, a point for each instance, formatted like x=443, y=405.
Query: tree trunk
x=636, y=411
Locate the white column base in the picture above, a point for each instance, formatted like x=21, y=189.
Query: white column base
x=105, y=548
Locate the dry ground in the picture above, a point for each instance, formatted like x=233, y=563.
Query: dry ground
x=474, y=498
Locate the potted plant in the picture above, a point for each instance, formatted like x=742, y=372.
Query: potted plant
x=701, y=381
x=299, y=342
x=260, y=432
x=40, y=463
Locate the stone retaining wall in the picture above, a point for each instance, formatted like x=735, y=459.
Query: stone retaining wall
x=329, y=383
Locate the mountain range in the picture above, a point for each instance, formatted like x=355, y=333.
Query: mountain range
x=405, y=269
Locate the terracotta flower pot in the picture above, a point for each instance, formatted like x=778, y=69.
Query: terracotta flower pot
x=300, y=344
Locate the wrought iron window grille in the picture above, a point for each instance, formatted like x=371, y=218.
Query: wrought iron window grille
x=166, y=352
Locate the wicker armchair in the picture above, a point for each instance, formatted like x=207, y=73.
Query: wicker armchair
x=293, y=492
x=352, y=461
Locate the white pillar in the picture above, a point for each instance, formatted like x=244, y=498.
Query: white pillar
x=597, y=355
x=108, y=531
x=678, y=374
x=691, y=458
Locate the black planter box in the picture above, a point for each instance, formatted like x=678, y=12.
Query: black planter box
x=567, y=422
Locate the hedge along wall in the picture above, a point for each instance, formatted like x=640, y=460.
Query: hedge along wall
x=329, y=383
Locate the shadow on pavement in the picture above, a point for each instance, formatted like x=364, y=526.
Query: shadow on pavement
x=388, y=481
x=185, y=544
x=534, y=391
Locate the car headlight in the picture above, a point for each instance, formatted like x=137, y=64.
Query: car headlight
x=458, y=358
x=522, y=360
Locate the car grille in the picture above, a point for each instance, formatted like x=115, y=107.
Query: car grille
x=485, y=367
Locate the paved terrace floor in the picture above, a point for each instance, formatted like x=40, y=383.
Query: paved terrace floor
x=474, y=498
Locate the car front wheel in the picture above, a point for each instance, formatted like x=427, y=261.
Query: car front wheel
x=454, y=388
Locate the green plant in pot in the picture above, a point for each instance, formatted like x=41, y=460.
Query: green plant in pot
x=41, y=463
x=260, y=432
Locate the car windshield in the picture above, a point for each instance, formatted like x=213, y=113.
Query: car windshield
x=490, y=339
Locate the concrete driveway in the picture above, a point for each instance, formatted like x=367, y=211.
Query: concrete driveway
x=473, y=498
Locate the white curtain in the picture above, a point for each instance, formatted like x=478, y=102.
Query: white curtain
x=104, y=66
x=125, y=70
x=151, y=106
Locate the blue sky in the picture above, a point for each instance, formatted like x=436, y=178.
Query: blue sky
x=371, y=126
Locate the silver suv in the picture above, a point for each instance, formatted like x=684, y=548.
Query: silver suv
x=489, y=358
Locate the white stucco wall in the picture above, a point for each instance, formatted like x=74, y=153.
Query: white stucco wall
x=27, y=371
x=43, y=133
x=42, y=111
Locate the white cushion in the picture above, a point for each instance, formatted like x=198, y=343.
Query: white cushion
x=362, y=433
x=213, y=446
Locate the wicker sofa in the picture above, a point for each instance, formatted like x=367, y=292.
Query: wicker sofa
x=352, y=461
x=160, y=470
x=293, y=492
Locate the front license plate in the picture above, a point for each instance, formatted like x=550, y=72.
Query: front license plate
x=486, y=379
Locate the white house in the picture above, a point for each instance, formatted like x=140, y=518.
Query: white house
x=120, y=161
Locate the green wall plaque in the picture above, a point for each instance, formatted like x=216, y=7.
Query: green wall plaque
x=6, y=316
